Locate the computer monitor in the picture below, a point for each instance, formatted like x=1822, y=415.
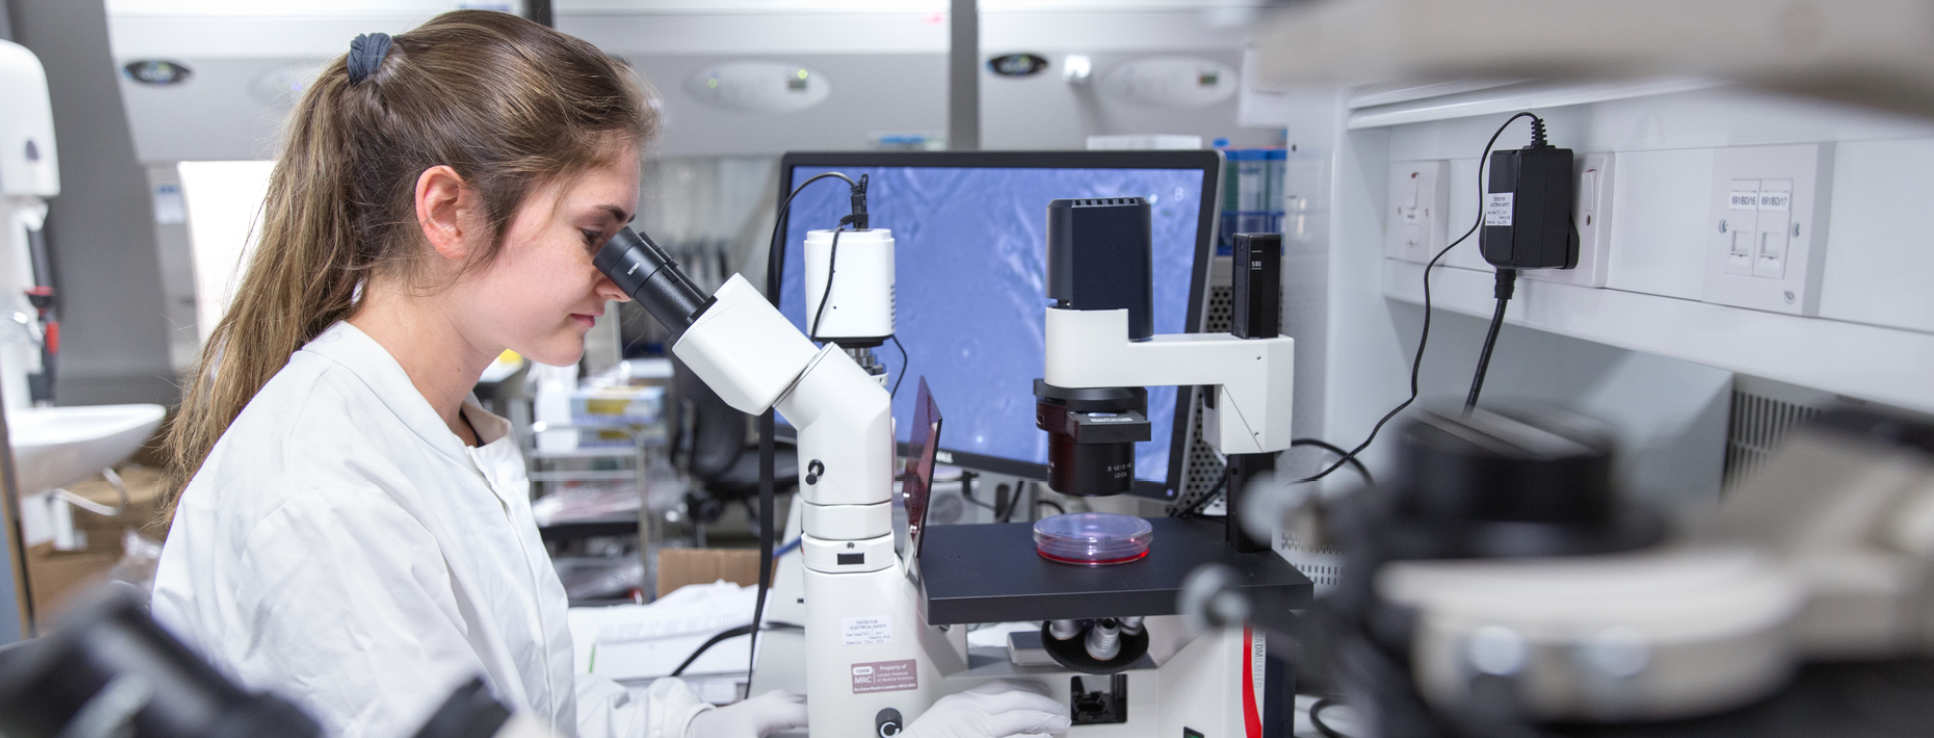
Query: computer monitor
x=970, y=244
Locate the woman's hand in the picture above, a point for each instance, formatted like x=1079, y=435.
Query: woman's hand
x=998, y=709
x=754, y=718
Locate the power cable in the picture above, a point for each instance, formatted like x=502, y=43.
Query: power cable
x=1423, y=339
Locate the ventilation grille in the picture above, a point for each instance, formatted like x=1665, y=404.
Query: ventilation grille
x=1106, y=202
x=1757, y=425
x=1201, y=469
x=1323, y=566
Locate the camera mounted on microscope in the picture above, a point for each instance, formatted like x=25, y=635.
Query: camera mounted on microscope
x=1099, y=258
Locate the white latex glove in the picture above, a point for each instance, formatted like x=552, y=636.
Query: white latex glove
x=997, y=709
x=754, y=718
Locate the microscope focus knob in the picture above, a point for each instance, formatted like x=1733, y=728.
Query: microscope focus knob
x=813, y=471
x=888, y=723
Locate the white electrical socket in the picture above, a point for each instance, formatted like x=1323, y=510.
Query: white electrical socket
x=1415, y=223
x=1592, y=215
x=1766, y=246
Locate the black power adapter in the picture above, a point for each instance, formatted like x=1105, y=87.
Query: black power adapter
x=1528, y=206
x=1527, y=225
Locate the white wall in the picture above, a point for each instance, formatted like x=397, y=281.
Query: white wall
x=1878, y=256
x=1668, y=414
x=1669, y=411
x=100, y=228
x=224, y=202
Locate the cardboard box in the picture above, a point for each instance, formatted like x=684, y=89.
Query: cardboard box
x=142, y=512
x=678, y=567
x=54, y=578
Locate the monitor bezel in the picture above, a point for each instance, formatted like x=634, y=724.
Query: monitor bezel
x=1207, y=162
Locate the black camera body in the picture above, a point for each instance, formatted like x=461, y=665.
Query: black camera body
x=1098, y=259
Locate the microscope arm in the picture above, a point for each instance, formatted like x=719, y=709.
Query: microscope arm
x=744, y=349
x=1252, y=377
x=748, y=353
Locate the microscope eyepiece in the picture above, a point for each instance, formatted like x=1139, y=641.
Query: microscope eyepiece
x=644, y=271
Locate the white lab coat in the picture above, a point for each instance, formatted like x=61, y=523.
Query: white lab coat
x=342, y=547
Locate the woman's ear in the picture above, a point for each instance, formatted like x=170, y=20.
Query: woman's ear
x=444, y=212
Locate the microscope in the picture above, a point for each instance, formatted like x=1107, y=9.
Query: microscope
x=1502, y=582
x=110, y=669
x=883, y=645
x=870, y=664
x=1101, y=355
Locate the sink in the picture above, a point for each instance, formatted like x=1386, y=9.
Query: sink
x=58, y=446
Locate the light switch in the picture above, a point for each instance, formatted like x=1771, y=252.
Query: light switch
x=1592, y=218
x=1588, y=198
x=1775, y=216
x=1419, y=201
x=1415, y=237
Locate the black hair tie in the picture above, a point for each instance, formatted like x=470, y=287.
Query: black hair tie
x=366, y=53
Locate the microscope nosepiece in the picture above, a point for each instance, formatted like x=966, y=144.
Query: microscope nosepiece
x=1092, y=434
x=1104, y=640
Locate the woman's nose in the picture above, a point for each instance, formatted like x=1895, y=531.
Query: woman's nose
x=609, y=290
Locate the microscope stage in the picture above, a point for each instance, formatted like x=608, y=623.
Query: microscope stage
x=992, y=574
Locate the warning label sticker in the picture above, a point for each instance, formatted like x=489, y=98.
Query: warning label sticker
x=1497, y=208
x=867, y=631
x=885, y=676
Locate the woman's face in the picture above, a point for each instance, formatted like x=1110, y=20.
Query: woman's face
x=541, y=293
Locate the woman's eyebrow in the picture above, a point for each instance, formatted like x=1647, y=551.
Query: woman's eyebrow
x=618, y=214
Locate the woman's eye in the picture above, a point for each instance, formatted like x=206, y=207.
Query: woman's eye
x=591, y=237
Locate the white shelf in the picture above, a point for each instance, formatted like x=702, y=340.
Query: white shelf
x=1509, y=98
x=1886, y=365
x=613, y=452
x=1364, y=96
x=1875, y=53
x=626, y=475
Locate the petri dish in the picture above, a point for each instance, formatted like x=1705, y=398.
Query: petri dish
x=1092, y=539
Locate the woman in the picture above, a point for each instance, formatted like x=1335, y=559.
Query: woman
x=357, y=533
